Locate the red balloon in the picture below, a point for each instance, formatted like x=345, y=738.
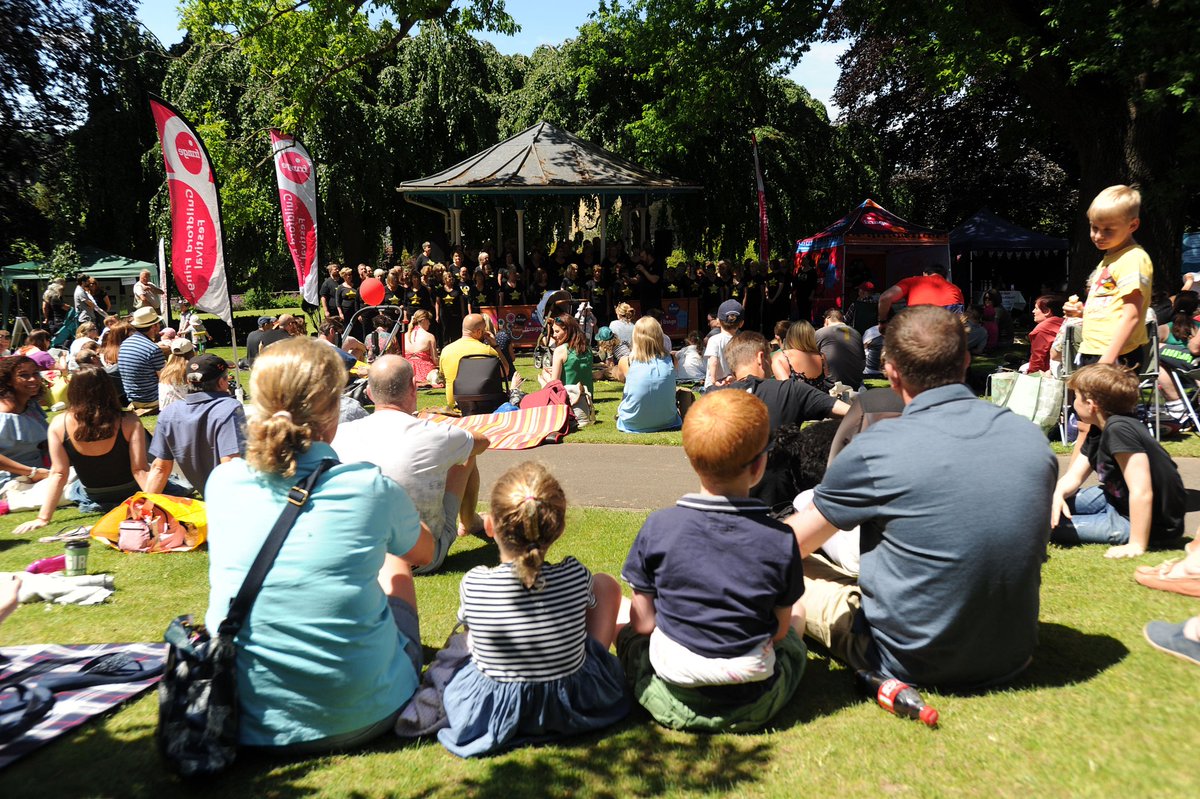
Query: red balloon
x=371, y=291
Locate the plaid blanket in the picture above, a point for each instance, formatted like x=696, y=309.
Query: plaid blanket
x=72, y=708
x=523, y=429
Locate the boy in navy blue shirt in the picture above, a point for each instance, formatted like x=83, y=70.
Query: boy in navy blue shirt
x=710, y=643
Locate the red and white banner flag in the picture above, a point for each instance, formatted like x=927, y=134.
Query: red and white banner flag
x=197, y=246
x=297, y=176
x=762, y=204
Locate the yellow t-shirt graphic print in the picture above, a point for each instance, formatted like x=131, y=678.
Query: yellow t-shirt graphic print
x=1118, y=275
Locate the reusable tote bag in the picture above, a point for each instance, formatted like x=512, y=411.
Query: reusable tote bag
x=1038, y=397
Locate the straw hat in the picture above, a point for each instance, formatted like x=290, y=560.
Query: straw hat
x=145, y=317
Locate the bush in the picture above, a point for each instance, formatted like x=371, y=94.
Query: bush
x=256, y=299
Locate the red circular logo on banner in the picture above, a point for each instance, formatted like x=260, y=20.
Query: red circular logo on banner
x=188, y=151
x=294, y=166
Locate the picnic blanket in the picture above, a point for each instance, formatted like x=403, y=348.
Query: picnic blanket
x=523, y=429
x=72, y=707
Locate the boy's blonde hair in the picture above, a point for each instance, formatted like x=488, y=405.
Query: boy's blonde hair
x=1113, y=388
x=724, y=432
x=1123, y=200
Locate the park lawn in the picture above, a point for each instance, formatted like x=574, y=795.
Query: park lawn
x=1098, y=714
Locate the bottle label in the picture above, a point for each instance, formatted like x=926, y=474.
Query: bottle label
x=888, y=692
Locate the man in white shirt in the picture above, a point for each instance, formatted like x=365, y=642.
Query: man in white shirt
x=434, y=462
x=145, y=293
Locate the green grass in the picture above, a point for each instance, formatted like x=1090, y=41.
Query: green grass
x=1099, y=714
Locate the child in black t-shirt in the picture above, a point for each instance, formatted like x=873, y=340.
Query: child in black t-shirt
x=1141, y=496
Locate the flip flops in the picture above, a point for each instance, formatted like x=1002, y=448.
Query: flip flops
x=21, y=706
x=1169, y=638
x=1172, y=575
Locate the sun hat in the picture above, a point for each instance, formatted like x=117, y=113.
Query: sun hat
x=604, y=334
x=265, y=320
x=144, y=317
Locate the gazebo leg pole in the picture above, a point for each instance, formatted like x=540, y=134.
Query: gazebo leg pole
x=603, y=230
x=499, y=237
x=521, y=238
x=456, y=226
x=566, y=236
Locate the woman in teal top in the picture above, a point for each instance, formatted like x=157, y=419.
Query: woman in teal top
x=572, y=361
x=648, y=402
x=331, y=650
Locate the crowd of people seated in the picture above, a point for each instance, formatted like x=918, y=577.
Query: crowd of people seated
x=832, y=533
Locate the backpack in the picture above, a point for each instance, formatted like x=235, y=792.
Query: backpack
x=479, y=386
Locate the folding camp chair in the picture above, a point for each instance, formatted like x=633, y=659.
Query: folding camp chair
x=1190, y=396
x=1152, y=405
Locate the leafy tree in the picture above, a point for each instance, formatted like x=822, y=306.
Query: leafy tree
x=310, y=49
x=1115, y=79
x=679, y=87
x=949, y=153
x=45, y=56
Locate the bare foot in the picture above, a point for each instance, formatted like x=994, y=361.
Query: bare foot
x=476, y=527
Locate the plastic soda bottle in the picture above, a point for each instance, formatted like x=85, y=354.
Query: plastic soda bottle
x=896, y=697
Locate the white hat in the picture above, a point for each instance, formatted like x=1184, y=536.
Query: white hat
x=145, y=317
x=182, y=346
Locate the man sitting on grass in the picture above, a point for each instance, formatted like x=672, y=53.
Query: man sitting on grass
x=203, y=431
x=710, y=643
x=434, y=462
x=950, y=569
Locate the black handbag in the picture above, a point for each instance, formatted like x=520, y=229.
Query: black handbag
x=197, y=729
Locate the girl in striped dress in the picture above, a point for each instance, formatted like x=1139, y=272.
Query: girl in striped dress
x=538, y=633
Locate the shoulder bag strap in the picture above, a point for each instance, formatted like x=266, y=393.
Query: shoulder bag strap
x=239, y=608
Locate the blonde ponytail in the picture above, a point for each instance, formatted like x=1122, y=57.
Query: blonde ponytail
x=529, y=513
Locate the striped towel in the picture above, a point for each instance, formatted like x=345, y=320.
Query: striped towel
x=72, y=708
x=523, y=429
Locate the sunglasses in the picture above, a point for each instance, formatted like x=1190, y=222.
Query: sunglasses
x=765, y=451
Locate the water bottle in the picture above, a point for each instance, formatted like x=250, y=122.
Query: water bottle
x=895, y=697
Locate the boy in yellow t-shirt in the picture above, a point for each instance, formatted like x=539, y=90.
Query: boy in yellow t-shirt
x=1114, y=328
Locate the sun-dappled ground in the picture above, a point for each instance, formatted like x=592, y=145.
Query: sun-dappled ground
x=1099, y=714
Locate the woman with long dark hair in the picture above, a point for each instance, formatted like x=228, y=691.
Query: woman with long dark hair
x=572, y=359
x=105, y=445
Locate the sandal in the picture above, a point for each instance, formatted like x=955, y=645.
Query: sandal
x=1160, y=570
x=1183, y=582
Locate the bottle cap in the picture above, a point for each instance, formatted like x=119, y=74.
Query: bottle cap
x=929, y=716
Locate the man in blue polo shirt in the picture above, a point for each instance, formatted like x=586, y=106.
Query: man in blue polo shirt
x=139, y=360
x=948, y=589
x=206, y=429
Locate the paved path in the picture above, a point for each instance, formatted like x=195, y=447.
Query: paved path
x=649, y=477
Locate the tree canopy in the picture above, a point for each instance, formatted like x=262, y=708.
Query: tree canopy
x=1028, y=108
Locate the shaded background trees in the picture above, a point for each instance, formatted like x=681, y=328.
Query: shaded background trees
x=945, y=107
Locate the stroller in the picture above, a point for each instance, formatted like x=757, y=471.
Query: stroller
x=556, y=303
